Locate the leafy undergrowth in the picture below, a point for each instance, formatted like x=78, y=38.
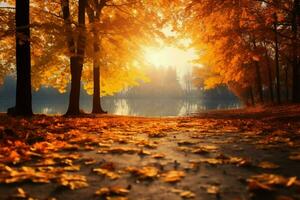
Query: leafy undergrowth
x=140, y=158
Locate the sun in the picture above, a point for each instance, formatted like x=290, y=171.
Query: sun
x=169, y=56
x=179, y=55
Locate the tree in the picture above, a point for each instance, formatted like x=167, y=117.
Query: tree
x=121, y=35
x=77, y=49
x=277, y=59
x=295, y=45
x=94, y=12
x=23, y=105
x=244, y=61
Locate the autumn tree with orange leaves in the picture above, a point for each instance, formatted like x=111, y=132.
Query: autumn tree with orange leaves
x=115, y=34
x=251, y=46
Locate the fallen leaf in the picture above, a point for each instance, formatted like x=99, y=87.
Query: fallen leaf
x=10, y=175
x=72, y=181
x=142, y=152
x=157, y=134
x=254, y=185
x=90, y=161
x=144, y=172
x=114, y=190
x=173, y=176
x=110, y=174
x=184, y=193
x=46, y=162
x=116, y=198
x=279, y=132
x=267, y=181
x=212, y=161
x=212, y=189
x=21, y=193
x=187, y=194
x=291, y=181
x=104, y=144
x=73, y=168
x=158, y=156
x=268, y=165
x=295, y=156
x=242, y=162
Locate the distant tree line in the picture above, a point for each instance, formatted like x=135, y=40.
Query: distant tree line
x=161, y=83
x=252, y=46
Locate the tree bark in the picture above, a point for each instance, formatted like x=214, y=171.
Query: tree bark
x=277, y=60
x=251, y=96
x=270, y=78
x=287, y=83
x=259, y=85
x=94, y=17
x=23, y=105
x=76, y=63
x=295, y=62
x=259, y=82
x=76, y=71
x=97, y=108
x=270, y=84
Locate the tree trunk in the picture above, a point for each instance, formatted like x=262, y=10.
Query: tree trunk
x=259, y=82
x=65, y=5
x=287, y=83
x=258, y=76
x=96, y=94
x=277, y=60
x=97, y=109
x=251, y=96
x=295, y=62
x=76, y=70
x=77, y=63
x=23, y=105
x=270, y=84
x=95, y=17
x=270, y=78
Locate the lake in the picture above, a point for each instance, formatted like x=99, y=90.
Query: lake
x=133, y=107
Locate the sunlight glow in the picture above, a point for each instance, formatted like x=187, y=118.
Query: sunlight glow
x=170, y=56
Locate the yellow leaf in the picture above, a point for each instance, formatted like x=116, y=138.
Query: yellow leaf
x=173, y=176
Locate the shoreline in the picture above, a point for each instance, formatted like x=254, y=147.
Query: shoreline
x=260, y=112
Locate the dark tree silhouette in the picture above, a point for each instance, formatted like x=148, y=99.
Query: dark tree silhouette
x=277, y=59
x=94, y=17
x=23, y=105
x=295, y=62
x=77, y=51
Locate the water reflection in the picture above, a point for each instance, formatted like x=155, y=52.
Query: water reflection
x=165, y=107
x=147, y=107
x=134, y=107
x=162, y=100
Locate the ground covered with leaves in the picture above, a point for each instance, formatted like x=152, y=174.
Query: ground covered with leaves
x=122, y=158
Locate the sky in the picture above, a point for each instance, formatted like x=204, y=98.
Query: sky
x=170, y=55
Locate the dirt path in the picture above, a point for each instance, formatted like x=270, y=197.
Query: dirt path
x=142, y=158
